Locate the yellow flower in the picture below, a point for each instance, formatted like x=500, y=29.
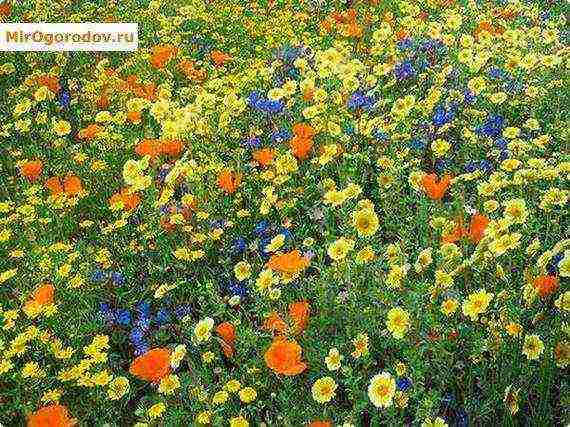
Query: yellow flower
x=365, y=255
x=208, y=356
x=381, y=390
x=204, y=417
x=365, y=221
x=239, y=421
x=324, y=389
x=169, y=384
x=333, y=360
x=233, y=386
x=118, y=388
x=62, y=127
x=52, y=396
x=532, y=347
x=203, y=330
x=440, y=147
x=156, y=410
x=276, y=243
x=242, y=270
x=360, y=345
x=102, y=378
x=7, y=275
x=247, y=394
x=513, y=329
x=32, y=370
x=476, y=303
x=340, y=248
x=220, y=397
x=563, y=301
x=177, y=355
x=398, y=322
x=515, y=209
x=511, y=399
x=437, y=422
x=449, y=306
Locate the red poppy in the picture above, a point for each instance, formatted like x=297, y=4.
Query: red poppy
x=545, y=285
x=32, y=170
x=227, y=333
x=54, y=415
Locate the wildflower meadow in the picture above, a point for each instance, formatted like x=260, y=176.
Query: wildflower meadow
x=288, y=213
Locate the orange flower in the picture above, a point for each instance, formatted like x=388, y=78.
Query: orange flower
x=134, y=117
x=53, y=184
x=152, y=366
x=435, y=189
x=171, y=147
x=103, y=101
x=227, y=333
x=51, y=82
x=456, y=234
x=320, y=423
x=43, y=295
x=219, y=58
x=54, y=415
x=31, y=170
x=90, y=132
x=289, y=263
x=148, y=147
x=71, y=186
x=264, y=157
x=402, y=34
x=477, y=227
x=284, y=357
x=303, y=130
x=299, y=312
x=190, y=71
x=545, y=285
x=300, y=147
x=274, y=323
x=5, y=9
x=228, y=181
x=129, y=200
x=161, y=54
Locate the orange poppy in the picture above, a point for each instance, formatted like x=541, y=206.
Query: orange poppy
x=274, y=323
x=477, y=227
x=71, y=185
x=162, y=54
x=220, y=58
x=320, y=423
x=90, y=132
x=434, y=188
x=190, y=71
x=31, y=170
x=129, y=200
x=290, y=262
x=402, y=34
x=227, y=333
x=299, y=312
x=54, y=415
x=284, y=357
x=51, y=82
x=148, y=147
x=43, y=295
x=134, y=117
x=152, y=366
x=228, y=181
x=5, y=9
x=545, y=285
x=171, y=147
x=308, y=95
x=300, y=147
x=303, y=130
x=103, y=101
x=264, y=156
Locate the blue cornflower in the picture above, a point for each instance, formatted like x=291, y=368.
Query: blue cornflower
x=280, y=135
x=404, y=70
x=486, y=166
x=64, y=98
x=162, y=316
x=501, y=143
x=470, y=166
x=235, y=288
x=403, y=383
x=417, y=144
x=380, y=136
x=552, y=267
x=252, y=142
x=239, y=245
x=117, y=278
x=261, y=227
x=182, y=311
x=123, y=317
x=98, y=276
